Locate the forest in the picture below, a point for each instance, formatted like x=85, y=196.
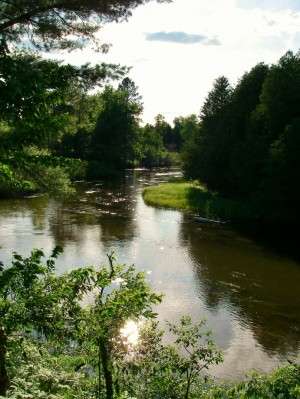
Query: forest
x=60, y=123
x=244, y=144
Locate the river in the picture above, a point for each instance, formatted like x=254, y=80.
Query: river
x=248, y=292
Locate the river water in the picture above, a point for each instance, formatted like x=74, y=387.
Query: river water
x=249, y=293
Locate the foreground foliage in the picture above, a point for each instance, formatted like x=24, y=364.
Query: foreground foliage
x=34, y=298
x=61, y=337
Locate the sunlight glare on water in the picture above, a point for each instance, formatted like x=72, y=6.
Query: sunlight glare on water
x=131, y=332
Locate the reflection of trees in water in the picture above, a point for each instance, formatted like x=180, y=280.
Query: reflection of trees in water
x=115, y=202
x=110, y=206
x=67, y=224
x=34, y=207
x=262, y=288
x=38, y=208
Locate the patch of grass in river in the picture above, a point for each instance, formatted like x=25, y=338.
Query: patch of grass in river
x=195, y=197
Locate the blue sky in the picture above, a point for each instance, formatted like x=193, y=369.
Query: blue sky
x=176, y=50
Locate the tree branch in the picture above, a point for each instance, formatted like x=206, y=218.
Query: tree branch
x=25, y=17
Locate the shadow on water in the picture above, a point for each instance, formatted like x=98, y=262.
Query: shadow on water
x=279, y=237
x=260, y=287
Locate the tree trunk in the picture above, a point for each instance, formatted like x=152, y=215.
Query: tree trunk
x=4, y=380
x=106, y=371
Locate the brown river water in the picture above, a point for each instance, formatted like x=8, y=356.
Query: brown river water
x=248, y=292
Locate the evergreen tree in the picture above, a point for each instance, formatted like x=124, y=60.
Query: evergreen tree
x=212, y=157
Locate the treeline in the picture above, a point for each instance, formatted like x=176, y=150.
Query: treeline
x=108, y=134
x=42, y=100
x=53, y=130
x=247, y=143
x=244, y=144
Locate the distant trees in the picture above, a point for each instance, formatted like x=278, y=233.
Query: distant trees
x=160, y=144
x=248, y=140
x=37, y=103
x=40, y=116
x=117, y=126
x=151, y=147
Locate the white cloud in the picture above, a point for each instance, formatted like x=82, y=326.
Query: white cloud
x=181, y=37
x=174, y=78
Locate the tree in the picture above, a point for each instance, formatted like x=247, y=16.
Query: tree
x=59, y=24
x=152, y=148
x=131, y=299
x=186, y=128
x=164, y=130
x=280, y=188
x=245, y=99
x=215, y=135
x=43, y=112
x=216, y=101
x=280, y=96
x=210, y=146
x=131, y=90
x=32, y=298
x=45, y=86
x=117, y=126
x=46, y=25
x=271, y=129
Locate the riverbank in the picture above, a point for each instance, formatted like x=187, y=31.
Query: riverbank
x=246, y=217
x=195, y=197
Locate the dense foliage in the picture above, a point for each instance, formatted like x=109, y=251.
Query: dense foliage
x=35, y=300
x=247, y=142
x=62, y=336
x=41, y=100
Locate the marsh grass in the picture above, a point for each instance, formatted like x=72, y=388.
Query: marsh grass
x=195, y=197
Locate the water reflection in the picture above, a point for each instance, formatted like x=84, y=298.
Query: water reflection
x=248, y=293
x=130, y=332
x=260, y=289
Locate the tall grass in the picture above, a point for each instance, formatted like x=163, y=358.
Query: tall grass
x=195, y=197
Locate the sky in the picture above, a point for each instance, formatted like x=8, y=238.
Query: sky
x=177, y=50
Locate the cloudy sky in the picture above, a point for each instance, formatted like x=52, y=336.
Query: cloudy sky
x=176, y=50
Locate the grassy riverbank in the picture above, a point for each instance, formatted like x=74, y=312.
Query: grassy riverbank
x=195, y=197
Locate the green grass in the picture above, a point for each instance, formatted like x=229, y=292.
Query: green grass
x=171, y=195
x=194, y=197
